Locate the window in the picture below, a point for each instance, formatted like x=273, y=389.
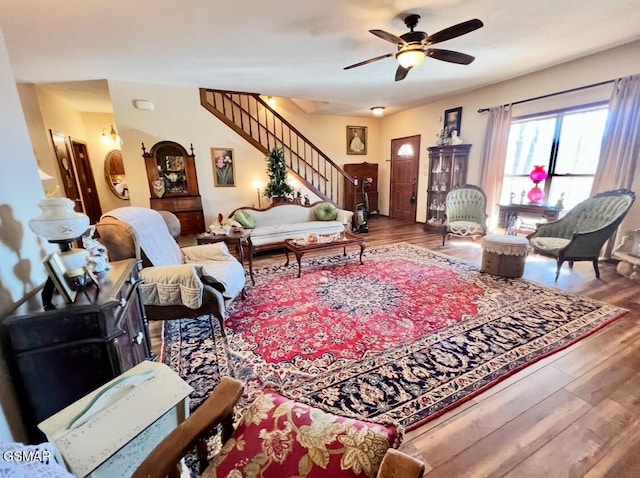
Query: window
x=566, y=142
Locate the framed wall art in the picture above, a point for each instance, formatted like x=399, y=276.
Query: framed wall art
x=356, y=140
x=224, y=170
x=452, y=121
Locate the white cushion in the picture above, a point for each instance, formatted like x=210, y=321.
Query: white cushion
x=278, y=233
x=229, y=273
x=206, y=252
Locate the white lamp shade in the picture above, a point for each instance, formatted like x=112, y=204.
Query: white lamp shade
x=410, y=58
x=377, y=110
x=58, y=221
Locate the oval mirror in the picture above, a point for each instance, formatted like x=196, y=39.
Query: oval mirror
x=114, y=172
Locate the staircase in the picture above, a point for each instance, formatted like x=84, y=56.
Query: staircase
x=253, y=119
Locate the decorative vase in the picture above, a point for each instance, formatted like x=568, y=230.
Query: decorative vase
x=535, y=195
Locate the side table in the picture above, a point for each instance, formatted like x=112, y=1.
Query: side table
x=239, y=239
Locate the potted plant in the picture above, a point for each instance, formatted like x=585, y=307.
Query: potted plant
x=277, y=188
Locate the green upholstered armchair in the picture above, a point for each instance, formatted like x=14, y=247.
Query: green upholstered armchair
x=465, y=212
x=581, y=233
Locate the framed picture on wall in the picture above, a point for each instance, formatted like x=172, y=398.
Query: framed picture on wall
x=224, y=170
x=452, y=121
x=356, y=140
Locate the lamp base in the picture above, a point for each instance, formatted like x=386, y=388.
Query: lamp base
x=47, y=294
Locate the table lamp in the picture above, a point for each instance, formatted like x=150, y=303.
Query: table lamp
x=60, y=224
x=538, y=175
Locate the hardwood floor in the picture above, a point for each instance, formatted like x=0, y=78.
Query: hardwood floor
x=575, y=413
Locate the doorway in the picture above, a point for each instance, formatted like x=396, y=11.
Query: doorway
x=405, y=163
x=77, y=176
x=86, y=180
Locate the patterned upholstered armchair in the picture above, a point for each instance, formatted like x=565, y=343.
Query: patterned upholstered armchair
x=465, y=212
x=277, y=438
x=581, y=233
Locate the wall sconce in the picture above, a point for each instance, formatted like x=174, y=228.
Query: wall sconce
x=115, y=138
x=377, y=110
x=271, y=101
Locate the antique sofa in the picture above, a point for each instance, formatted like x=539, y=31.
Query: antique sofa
x=271, y=226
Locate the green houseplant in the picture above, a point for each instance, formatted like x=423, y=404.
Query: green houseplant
x=277, y=188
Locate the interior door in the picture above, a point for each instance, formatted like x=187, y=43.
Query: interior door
x=405, y=161
x=67, y=171
x=86, y=181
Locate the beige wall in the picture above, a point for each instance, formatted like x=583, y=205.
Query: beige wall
x=426, y=120
x=178, y=116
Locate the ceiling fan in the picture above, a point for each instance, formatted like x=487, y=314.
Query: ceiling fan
x=411, y=45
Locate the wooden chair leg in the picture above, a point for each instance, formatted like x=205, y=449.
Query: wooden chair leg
x=559, y=261
x=596, y=268
x=444, y=235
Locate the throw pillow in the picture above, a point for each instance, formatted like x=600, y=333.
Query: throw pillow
x=326, y=212
x=245, y=218
x=281, y=437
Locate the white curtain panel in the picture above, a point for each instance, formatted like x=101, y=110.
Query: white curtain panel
x=493, y=158
x=621, y=142
x=620, y=145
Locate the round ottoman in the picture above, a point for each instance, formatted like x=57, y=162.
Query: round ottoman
x=504, y=255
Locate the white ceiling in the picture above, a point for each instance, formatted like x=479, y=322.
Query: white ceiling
x=297, y=48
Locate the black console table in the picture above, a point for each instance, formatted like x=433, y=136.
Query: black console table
x=509, y=212
x=58, y=356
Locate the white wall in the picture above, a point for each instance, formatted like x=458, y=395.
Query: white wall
x=21, y=251
x=426, y=120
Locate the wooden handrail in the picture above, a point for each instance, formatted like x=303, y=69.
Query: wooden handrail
x=275, y=131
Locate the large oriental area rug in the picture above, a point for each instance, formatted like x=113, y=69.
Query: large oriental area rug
x=404, y=337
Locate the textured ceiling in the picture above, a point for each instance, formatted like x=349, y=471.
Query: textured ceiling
x=297, y=49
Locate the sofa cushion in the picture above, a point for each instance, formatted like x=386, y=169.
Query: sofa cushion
x=326, y=212
x=275, y=234
x=245, y=219
x=280, y=437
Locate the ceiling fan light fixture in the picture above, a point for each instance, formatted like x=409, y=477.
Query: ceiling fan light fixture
x=410, y=58
x=377, y=110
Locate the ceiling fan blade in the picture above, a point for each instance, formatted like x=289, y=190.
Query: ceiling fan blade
x=401, y=73
x=453, y=31
x=450, y=56
x=370, y=60
x=390, y=37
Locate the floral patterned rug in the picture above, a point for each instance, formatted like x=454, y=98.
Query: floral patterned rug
x=402, y=338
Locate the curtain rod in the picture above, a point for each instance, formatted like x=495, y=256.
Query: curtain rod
x=482, y=110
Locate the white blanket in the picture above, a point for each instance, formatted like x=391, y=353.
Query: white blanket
x=152, y=234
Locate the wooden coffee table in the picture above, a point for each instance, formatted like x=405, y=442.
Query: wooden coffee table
x=299, y=247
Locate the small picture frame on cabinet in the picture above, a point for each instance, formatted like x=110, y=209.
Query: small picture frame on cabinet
x=55, y=268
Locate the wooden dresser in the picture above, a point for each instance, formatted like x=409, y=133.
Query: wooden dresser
x=173, y=184
x=58, y=356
